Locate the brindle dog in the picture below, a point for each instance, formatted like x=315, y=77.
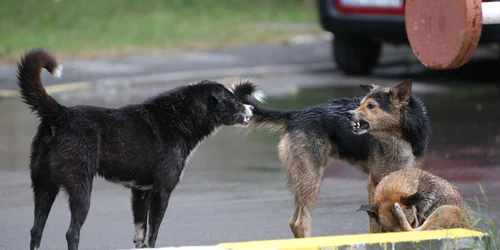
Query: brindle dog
x=349, y=129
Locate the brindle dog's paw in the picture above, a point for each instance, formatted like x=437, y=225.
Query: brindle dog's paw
x=398, y=213
x=397, y=208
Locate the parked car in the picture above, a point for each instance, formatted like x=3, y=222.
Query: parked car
x=361, y=27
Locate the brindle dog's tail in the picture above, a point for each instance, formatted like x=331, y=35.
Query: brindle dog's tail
x=29, y=81
x=262, y=117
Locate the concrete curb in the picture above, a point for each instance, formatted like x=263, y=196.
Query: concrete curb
x=433, y=239
x=184, y=76
x=217, y=73
x=51, y=89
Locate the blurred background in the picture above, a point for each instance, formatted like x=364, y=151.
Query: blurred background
x=93, y=28
x=301, y=52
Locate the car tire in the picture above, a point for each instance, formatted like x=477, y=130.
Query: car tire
x=355, y=55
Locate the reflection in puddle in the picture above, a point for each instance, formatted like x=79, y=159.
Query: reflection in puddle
x=465, y=141
x=464, y=144
x=465, y=124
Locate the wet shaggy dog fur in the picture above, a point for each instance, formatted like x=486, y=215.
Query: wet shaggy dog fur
x=392, y=116
x=143, y=147
x=414, y=199
x=314, y=134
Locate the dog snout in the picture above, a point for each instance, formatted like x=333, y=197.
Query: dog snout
x=248, y=110
x=350, y=114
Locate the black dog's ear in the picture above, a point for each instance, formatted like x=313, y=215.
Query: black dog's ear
x=372, y=210
x=402, y=92
x=367, y=87
x=215, y=97
x=413, y=199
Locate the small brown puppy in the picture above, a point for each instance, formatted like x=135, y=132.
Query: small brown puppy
x=426, y=200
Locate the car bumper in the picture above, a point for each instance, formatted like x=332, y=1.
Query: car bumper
x=385, y=28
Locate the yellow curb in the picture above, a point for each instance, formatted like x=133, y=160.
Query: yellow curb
x=383, y=240
x=52, y=89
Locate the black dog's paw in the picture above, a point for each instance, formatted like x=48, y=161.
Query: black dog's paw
x=140, y=244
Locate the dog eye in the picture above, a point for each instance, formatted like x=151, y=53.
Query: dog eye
x=370, y=106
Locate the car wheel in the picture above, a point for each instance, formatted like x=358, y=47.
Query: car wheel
x=355, y=55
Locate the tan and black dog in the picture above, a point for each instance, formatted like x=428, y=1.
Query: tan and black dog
x=413, y=200
x=390, y=115
x=314, y=134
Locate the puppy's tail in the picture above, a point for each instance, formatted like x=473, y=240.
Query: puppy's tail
x=29, y=81
x=248, y=92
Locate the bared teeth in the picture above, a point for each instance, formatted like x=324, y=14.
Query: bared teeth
x=356, y=125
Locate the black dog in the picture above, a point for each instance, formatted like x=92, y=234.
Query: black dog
x=143, y=147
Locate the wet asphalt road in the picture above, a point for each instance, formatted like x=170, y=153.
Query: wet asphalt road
x=234, y=188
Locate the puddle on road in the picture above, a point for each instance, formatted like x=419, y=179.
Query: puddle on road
x=464, y=145
x=465, y=129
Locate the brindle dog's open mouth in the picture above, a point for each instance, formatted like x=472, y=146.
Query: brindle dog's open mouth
x=359, y=127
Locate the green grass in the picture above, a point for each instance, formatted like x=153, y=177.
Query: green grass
x=110, y=26
x=487, y=222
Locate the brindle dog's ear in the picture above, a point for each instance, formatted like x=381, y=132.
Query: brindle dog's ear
x=367, y=87
x=402, y=92
x=372, y=210
x=413, y=199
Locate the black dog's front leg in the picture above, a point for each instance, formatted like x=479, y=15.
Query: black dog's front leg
x=140, y=206
x=158, y=206
x=166, y=179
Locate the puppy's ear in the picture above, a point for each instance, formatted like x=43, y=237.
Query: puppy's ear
x=367, y=87
x=401, y=94
x=372, y=210
x=413, y=199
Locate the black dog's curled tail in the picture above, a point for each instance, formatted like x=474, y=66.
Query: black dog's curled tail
x=248, y=92
x=29, y=80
